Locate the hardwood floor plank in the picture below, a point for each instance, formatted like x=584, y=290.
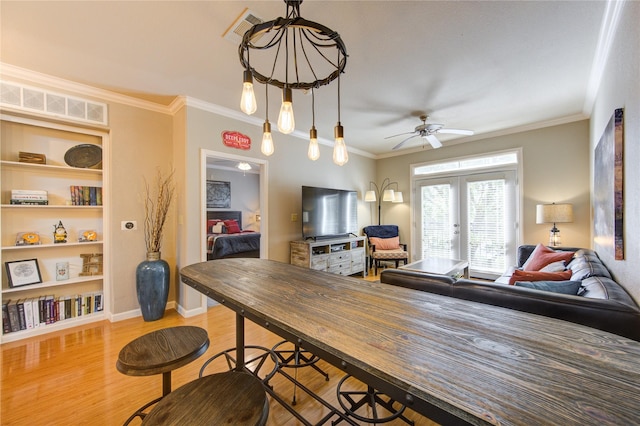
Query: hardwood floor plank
x=69, y=377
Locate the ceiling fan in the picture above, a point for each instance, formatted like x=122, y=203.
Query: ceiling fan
x=428, y=132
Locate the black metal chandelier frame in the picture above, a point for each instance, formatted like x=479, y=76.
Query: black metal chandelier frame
x=318, y=37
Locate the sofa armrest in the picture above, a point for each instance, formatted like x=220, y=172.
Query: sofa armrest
x=432, y=283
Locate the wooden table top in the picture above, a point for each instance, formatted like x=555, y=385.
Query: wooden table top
x=481, y=363
x=162, y=350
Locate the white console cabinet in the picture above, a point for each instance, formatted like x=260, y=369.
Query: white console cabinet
x=344, y=256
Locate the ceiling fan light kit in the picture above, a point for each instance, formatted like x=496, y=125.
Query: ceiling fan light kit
x=299, y=45
x=428, y=132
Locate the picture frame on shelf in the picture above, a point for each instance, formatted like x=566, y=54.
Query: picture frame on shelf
x=30, y=238
x=23, y=272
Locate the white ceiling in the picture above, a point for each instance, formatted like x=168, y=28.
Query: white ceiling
x=480, y=65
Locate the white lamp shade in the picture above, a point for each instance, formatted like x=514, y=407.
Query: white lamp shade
x=554, y=213
x=388, y=195
x=370, y=196
x=397, y=197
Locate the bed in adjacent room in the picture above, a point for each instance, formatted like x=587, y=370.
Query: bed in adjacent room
x=226, y=237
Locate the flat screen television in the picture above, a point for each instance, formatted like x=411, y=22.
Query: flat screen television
x=328, y=213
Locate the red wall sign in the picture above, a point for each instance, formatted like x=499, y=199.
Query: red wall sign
x=236, y=140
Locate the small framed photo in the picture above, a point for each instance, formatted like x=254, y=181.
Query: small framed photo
x=23, y=272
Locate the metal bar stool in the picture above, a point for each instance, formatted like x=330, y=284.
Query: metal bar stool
x=161, y=352
x=382, y=411
x=295, y=357
x=233, y=397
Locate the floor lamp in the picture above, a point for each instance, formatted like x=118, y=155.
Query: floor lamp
x=383, y=193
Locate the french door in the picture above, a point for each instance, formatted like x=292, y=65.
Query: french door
x=470, y=217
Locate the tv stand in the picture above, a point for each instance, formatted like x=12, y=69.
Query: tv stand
x=343, y=256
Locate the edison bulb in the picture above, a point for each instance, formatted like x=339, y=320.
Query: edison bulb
x=314, y=149
x=267, y=142
x=248, y=103
x=286, y=121
x=340, y=154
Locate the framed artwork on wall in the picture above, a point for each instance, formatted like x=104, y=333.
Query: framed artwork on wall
x=218, y=194
x=608, y=187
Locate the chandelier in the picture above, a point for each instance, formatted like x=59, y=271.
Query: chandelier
x=292, y=53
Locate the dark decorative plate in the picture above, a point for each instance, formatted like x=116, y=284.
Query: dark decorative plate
x=83, y=156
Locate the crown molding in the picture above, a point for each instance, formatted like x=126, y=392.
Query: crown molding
x=34, y=77
x=182, y=101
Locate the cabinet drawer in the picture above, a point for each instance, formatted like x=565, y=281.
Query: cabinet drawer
x=342, y=268
x=342, y=256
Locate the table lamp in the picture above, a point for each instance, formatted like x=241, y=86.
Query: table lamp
x=554, y=213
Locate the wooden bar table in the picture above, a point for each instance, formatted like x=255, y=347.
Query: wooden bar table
x=452, y=360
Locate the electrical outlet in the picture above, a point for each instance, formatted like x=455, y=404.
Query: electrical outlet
x=129, y=225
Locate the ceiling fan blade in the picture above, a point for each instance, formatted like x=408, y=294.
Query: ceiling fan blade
x=403, y=142
x=456, y=131
x=435, y=143
x=400, y=134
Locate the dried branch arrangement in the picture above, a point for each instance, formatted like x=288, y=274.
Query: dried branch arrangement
x=156, y=207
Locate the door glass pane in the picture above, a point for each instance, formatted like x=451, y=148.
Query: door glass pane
x=486, y=225
x=437, y=221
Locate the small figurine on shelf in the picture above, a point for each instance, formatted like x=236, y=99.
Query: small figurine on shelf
x=59, y=233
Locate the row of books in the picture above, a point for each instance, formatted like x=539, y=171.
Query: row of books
x=29, y=197
x=86, y=195
x=27, y=314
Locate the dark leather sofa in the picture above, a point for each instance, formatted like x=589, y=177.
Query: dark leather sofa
x=604, y=304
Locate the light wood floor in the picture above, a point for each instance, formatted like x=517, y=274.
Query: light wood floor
x=69, y=377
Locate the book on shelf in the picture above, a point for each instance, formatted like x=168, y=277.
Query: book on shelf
x=29, y=202
x=86, y=195
x=14, y=320
x=21, y=316
x=6, y=325
x=27, y=314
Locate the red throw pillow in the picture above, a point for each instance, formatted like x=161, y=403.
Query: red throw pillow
x=519, y=275
x=232, y=226
x=542, y=256
x=385, y=243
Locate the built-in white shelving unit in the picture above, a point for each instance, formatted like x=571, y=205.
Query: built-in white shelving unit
x=87, y=260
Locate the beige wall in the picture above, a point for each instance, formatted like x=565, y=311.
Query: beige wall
x=620, y=88
x=555, y=169
x=141, y=141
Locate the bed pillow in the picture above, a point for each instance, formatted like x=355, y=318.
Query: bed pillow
x=211, y=223
x=542, y=256
x=564, y=287
x=519, y=275
x=232, y=226
x=385, y=243
x=218, y=228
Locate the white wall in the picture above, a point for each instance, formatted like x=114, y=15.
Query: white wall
x=620, y=88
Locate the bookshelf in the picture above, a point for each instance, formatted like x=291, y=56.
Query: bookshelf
x=47, y=142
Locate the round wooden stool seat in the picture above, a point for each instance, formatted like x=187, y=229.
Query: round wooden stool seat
x=161, y=352
x=230, y=398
